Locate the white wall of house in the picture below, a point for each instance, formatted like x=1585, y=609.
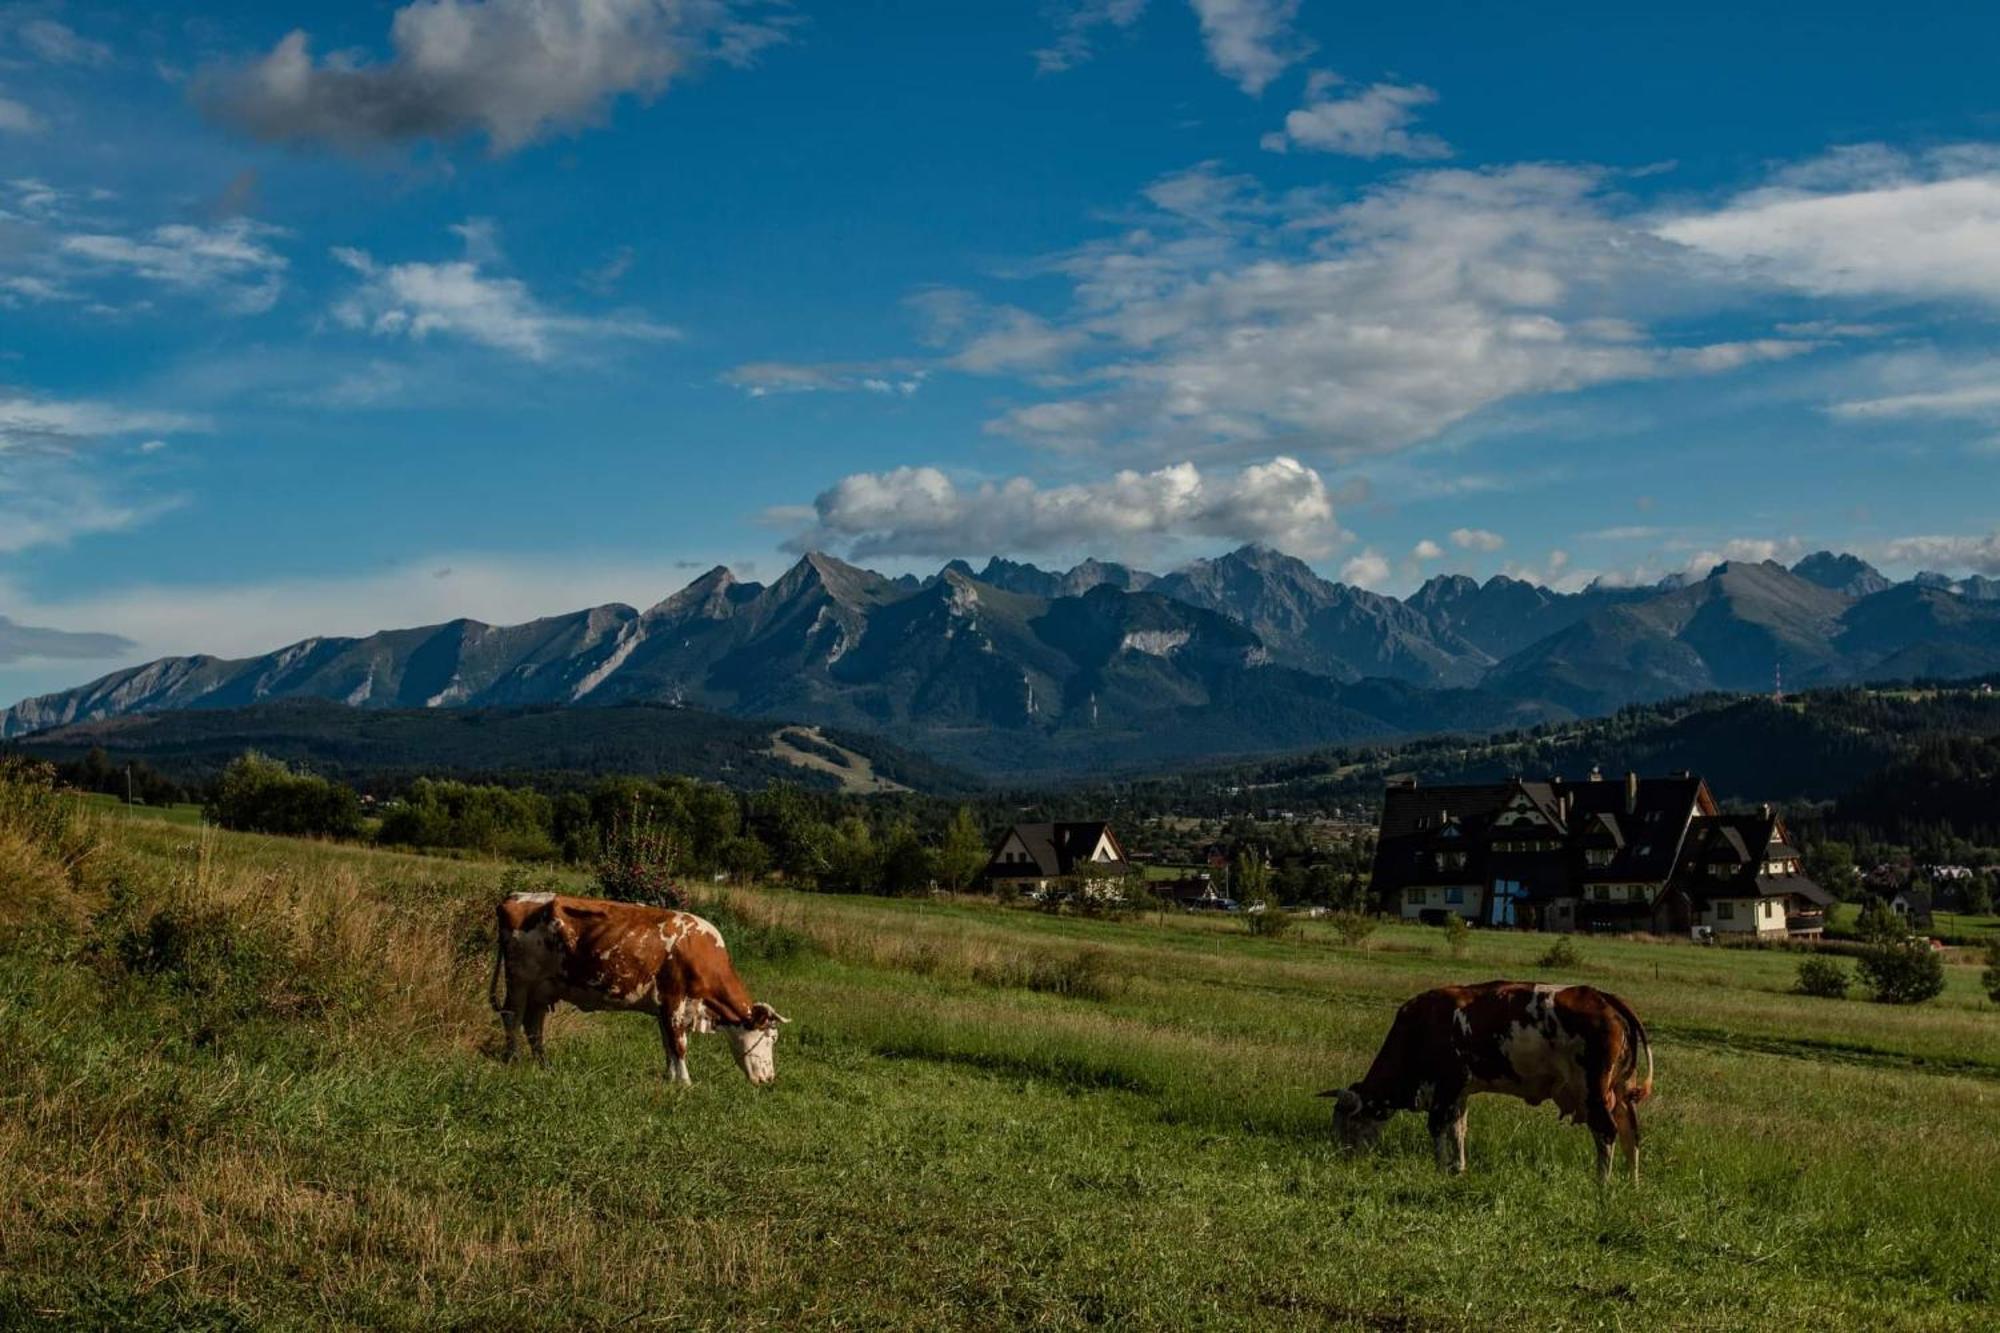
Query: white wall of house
x=1419, y=898
x=1745, y=916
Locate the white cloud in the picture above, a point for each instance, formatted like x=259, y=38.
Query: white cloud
x=1427, y=550
x=1553, y=572
x=1477, y=539
x=231, y=260
x=1745, y=550
x=764, y=379
x=1374, y=122
x=458, y=298
x=49, y=491
x=1369, y=569
x=59, y=44
x=31, y=643
x=1251, y=41
x=1978, y=554
x=1974, y=400
x=1076, y=27
x=1868, y=222
x=922, y=511
x=52, y=425
x=1232, y=322
x=18, y=118
x=511, y=70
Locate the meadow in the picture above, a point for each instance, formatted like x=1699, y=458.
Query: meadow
x=252, y=1083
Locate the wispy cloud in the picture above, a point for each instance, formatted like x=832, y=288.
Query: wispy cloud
x=1077, y=26
x=59, y=44
x=461, y=298
x=232, y=261
x=31, y=643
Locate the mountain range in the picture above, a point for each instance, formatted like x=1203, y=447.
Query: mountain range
x=1012, y=669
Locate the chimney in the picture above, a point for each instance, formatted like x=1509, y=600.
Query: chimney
x=1765, y=810
x=1631, y=792
x=1596, y=773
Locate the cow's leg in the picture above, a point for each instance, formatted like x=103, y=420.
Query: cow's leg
x=514, y=1014
x=1447, y=1124
x=536, y=1013
x=673, y=1039
x=1627, y=1118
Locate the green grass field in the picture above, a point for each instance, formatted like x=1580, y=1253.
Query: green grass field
x=258, y=1089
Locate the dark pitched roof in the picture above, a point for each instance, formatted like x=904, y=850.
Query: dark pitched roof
x=1726, y=856
x=1056, y=848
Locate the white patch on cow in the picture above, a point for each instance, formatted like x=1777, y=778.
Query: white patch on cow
x=1462, y=1023
x=691, y=1015
x=708, y=928
x=1545, y=1065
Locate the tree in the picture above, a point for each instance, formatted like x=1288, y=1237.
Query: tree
x=905, y=864
x=961, y=855
x=256, y=794
x=1250, y=877
x=1831, y=866
x=1990, y=978
x=1822, y=977
x=1879, y=924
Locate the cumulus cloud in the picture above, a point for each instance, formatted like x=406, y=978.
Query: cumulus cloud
x=920, y=511
x=1427, y=550
x=1981, y=555
x=460, y=298
x=1745, y=550
x=1370, y=569
x=1477, y=539
x=513, y=71
x=1251, y=41
x=1077, y=26
x=1866, y=222
x=231, y=261
x=1374, y=122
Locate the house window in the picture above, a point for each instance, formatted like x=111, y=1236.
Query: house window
x=1601, y=892
x=1454, y=895
x=1451, y=860
x=1769, y=907
x=1725, y=911
x=1598, y=856
x=1414, y=897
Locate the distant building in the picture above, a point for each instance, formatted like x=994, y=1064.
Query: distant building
x=1033, y=856
x=1914, y=906
x=1641, y=854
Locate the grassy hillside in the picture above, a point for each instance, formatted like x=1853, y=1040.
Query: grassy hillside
x=254, y=1085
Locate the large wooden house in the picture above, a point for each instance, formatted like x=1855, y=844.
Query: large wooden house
x=1035, y=856
x=1637, y=854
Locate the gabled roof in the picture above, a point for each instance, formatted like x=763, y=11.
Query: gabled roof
x=1057, y=848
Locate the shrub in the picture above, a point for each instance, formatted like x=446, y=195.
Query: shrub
x=1086, y=975
x=639, y=861
x=1905, y=971
x=1269, y=920
x=1353, y=927
x=1457, y=935
x=1562, y=954
x=1990, y=978
x=1822, y=977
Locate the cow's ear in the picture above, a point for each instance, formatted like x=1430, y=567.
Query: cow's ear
x=764, y=1016
x=1345, y=1100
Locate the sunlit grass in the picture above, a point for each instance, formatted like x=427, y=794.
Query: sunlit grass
x=956, y=1138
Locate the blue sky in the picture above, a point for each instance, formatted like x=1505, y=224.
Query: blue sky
x=320, y=318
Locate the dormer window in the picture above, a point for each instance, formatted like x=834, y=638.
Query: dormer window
x=1598, y=856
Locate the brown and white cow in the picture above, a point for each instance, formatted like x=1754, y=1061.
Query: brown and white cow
x=597, y=954
x=1574, y=1045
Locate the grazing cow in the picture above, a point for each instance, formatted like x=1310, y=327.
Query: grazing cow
x=605, y=955
x=1574, y=1045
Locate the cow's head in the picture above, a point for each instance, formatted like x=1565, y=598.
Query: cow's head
x=755, y=1043
x=1357, y=1122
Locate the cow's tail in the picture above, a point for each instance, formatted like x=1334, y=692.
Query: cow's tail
x=499, y=965
x=1638, y=1090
